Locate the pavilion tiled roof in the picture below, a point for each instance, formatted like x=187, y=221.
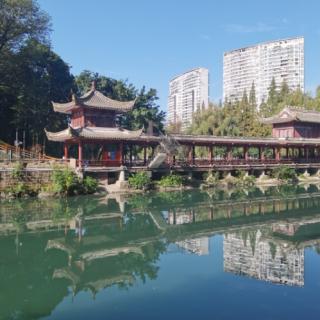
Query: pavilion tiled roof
x=94, y=133
x=93, y=99
x=290, y=114
x=100, y=133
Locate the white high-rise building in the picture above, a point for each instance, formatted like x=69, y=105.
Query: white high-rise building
x=188, y=93
x=282, y=60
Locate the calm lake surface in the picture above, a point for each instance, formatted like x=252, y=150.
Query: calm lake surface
x=237, y=254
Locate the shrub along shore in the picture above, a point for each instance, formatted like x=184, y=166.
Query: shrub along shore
x=65, y=182
x=281, y=175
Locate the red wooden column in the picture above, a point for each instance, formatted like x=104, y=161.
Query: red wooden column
x=121, y=153
x=246, y=153
x=277, y=153
x=144, y=155
x=211, y=154
x=262, y=153
x=193, y=155
x=65, y=151
x=229, y=153
x=189, y=154
x=130, y=154
x=80, y=153
x=287, y=152
x=313, y=153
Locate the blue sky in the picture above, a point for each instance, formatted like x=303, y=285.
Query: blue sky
x=148, y=42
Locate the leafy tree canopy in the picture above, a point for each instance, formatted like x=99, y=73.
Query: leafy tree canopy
x=146, y=108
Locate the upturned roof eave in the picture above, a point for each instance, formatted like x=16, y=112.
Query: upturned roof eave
x=100, y=101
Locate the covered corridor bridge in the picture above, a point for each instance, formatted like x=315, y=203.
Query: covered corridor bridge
x=202, y=152
x=101, y=144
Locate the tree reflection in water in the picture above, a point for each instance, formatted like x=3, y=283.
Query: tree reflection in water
x=51, y=247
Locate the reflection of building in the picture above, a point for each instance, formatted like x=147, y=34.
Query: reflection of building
x=198, y=246
x=188, y=93
x=249, y=254
x=181, y=217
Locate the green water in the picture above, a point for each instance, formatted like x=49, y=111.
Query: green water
x=237, y=254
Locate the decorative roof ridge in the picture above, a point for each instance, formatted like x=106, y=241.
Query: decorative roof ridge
x=94, y=99
x=299, y=109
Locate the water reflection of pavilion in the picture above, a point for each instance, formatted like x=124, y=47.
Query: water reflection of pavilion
x=115, y=255
x=95, y=246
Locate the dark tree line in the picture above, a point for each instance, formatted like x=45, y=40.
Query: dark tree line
x=32, y=75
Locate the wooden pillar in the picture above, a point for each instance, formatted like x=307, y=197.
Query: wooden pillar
x=121, y=153
x=229, y=153
x=277, y=153
x=144, y=155
x=246, y=153
x=130, y=154
x=313, y=153
x=193, y=155
x=211, y=154
x=65, y=151
x=287, y=152
x=80, y=153
x=190, y=154
x=262, y=153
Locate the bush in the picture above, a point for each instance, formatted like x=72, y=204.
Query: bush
x=65, y=181
x=284, y=173
x=248, y=181
x=212, y=179
x=17, y=171
x=173, y=180
x=90, y=185
x=20, y=189
x=139, y=181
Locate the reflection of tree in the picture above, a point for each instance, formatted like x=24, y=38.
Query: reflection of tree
x=139, y=202
x=253, y=240
x=273, y=249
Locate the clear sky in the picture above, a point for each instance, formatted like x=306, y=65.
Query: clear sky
x=148, y=42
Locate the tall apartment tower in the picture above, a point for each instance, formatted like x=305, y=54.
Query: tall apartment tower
x=188, y=93
x=281, y=60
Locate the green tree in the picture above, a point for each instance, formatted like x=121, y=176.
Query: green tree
x=252, y=97
x=284, y=91
x=146, y=108
x=20, y=21
x=43, y=77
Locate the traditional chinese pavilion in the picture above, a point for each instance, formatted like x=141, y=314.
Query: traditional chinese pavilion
x=93, y=124
x=293, y=122
x=93, y=121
